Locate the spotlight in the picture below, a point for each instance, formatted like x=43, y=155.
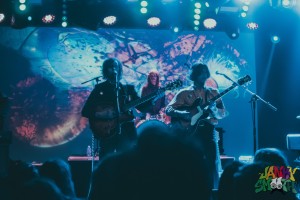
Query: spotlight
x=198, y=5
x=110, y=20
x=22, y=7
x=243, y=14
x=2, y=17
x=196, y=22
x=275, y=39
x=197, y=11
x=64, y=24
x=233, y=33
x=176, y=29
x=153, y=21
x=252, y=25
x=210, y=23
x=48, y=18
x=144, y=3
x=144, y=10
x=288, y=3
x=231, y=29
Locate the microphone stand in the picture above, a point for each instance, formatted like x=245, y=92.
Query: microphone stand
x=118, y=103
x=254, y=98
x=96, y=79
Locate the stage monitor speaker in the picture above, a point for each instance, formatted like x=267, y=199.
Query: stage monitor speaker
x=81, y=169
x=226, y=160
x=293, y=141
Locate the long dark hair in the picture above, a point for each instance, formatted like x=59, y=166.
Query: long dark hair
x=109, y=63
x=196, y=70
x=155, y=73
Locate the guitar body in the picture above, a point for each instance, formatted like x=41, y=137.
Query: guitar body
x=200, y=111
x=199, y=118
x=106, y=121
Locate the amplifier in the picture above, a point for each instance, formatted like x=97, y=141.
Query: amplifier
x=293, y=141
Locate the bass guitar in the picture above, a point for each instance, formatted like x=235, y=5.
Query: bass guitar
x=107, y=120
x=201, y=111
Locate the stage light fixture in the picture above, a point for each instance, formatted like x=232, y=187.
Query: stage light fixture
x=110, y=20
x=153, y=21
x=275, y=39
x=198, y=5
x=252, y=25
x=233, y=32
x=288, y=3
x=210, y=23
x=2, y=17
x=197, y=11
x=64, y=24
x=22, y=7
x=176, y=28
x=196, y=16
x=48, y=18
x=144, y=3
x=144, y=10
x=245, y=8
x=243, y=14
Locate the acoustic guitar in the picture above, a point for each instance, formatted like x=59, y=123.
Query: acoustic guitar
x=107, y=121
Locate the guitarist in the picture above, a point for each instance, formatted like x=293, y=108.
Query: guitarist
x=113, y=130
x=186, y=104
x=154, y=107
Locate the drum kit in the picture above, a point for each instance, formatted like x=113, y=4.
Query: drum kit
x=161, y=118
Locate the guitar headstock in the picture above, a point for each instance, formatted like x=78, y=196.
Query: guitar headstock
x=244, y=80
x=173, y=85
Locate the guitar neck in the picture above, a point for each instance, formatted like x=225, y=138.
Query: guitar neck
x=137, y=102
x=218, y=96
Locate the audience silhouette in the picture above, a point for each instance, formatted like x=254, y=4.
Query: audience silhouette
x=59, y=171
x=161, y=166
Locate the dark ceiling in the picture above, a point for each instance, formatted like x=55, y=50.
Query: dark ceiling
x=89, y=13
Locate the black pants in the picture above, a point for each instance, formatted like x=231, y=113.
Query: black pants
x=205, y=136
x=118, y=142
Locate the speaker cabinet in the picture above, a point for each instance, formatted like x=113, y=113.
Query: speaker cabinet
x=293, y=141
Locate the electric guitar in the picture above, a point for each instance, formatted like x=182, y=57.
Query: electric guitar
x=107, y=120
x=201, y=111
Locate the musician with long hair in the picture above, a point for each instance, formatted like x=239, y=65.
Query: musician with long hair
x=113, y=128
x=153, y=109
x=189, y=119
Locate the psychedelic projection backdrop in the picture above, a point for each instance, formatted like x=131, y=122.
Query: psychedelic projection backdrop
x=43, y=70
